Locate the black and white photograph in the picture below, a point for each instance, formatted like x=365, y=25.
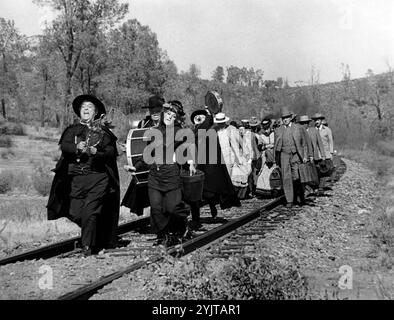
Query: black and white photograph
x=196, y=157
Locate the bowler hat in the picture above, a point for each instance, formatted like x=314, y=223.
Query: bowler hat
x=155, y=104
x=197, y=113
x=318, y=116
x=304, y=119
x=100, y=109
x=286, y=113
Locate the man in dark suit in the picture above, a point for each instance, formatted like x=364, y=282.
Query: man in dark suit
x=290, y=149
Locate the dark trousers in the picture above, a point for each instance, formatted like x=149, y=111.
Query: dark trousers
x=86, y=203
x=289, y=167
x=168, y=211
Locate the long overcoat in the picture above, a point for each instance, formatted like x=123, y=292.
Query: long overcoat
x=217, y=179
x=59, y=201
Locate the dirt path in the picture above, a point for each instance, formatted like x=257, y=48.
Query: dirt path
x=330, y=240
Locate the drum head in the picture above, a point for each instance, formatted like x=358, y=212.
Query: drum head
x=135, y=146
x=214, y=102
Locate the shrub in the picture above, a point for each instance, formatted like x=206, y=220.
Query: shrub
x=42, y=180
x=240, y=278
x=6, y=181
x=385, y=147
x=10, y=128
x=5, y=141
x=22, y=181
x=7, y=154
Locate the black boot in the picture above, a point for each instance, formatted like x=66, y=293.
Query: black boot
x=214, y=211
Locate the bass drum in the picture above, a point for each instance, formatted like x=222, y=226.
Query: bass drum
x=135, y=146
x=214, y=102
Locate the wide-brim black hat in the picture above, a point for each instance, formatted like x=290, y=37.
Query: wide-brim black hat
x=197, y=113
x=100, y=108
x=155, y=104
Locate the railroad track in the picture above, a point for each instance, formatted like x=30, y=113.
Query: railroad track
x=236, y=237
x=236, y=230
x=180, y=250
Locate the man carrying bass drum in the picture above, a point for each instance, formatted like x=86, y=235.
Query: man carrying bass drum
x=136, y=197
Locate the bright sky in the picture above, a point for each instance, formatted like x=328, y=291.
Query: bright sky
x=281, y=37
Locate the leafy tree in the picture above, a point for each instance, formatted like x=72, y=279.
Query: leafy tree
x=194, y=71
x=77, y=24
x=11, y=49
x=234, y=75
x=135, y=68
x=218, y=74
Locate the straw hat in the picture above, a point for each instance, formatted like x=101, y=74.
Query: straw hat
x=304, y=119
x=221, y=118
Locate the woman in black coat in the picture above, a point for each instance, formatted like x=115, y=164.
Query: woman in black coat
x=86, y=185
x=218, y=187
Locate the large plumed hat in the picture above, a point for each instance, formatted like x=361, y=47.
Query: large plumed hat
x=155, y=104
x=100, y=108
x=174, y=106
x=318, y=116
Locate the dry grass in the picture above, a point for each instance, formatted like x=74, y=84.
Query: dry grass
x=24, y=221
x=380, y=163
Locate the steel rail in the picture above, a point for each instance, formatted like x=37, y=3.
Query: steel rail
x=89, y=290
x=69, y=245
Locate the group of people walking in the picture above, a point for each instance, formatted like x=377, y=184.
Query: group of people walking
x=86, y=184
